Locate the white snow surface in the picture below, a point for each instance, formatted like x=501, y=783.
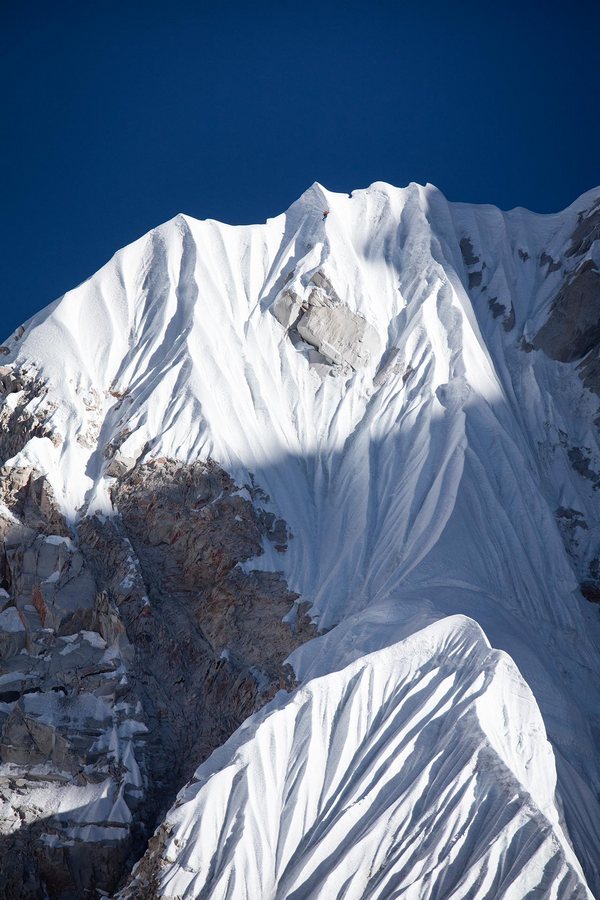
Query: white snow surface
x=419, y=770
x=419, y=487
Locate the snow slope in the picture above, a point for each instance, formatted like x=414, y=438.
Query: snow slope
x=420, y=770
x=422, y=485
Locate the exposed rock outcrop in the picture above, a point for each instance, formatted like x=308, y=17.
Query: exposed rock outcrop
x=498, y=310
x=321, y=319
x=572, y=330
x=573, y=327
x=24, y=412
x=28, y=502
x=70, y=730
x=586, y=232
x=209, y=639
x=129, y=651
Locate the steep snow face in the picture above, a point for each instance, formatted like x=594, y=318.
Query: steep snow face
x=420, y=476
x=421, y=770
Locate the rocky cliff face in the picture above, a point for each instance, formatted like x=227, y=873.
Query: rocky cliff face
x=571, y=334
x=572, y=330
x=71, y=730
x=130, y=649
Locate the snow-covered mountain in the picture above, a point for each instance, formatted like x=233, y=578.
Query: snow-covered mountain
x=394, y=406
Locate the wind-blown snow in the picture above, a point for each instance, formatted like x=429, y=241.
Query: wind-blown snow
x=420, y=770
x=420, y=486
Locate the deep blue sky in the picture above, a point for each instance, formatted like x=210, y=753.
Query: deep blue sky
x=118, y=115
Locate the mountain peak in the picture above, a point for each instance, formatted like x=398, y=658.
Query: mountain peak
x=351, y=456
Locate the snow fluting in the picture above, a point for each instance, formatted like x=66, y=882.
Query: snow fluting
x=393, y=777
x=392, y=383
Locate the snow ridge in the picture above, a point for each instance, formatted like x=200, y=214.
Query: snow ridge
x=393, y=777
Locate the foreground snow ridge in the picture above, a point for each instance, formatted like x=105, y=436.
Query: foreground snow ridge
x=422, y=770
x=403, y=400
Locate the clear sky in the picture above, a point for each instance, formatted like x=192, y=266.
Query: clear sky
x=118, y=115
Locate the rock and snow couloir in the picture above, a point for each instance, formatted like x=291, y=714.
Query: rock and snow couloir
x=394, y=408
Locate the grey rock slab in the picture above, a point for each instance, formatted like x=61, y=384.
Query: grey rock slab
x=287, y=309
x=340, y=335
x=573, y=326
